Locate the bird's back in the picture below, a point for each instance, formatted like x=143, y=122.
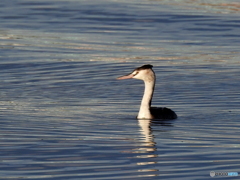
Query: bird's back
x=163, y=113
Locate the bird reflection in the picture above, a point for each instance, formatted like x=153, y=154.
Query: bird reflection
x=147, y=150
x=146, y=131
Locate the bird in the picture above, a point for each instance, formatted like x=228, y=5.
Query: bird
x=147, y=74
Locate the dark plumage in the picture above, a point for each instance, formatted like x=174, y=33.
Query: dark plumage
x=163, y=113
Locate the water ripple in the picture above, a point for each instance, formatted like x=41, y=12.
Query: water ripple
x=65, y=116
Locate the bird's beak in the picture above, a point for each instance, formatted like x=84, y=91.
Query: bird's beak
x=129, y=76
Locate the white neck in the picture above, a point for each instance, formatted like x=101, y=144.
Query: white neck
x=144, y=112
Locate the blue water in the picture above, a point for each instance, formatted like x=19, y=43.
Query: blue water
x=65, y=116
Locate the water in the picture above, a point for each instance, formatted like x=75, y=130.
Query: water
x=65, y=116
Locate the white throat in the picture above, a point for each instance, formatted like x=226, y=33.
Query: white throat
x=144, y=112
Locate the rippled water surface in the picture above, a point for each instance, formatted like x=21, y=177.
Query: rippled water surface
x=65, y=116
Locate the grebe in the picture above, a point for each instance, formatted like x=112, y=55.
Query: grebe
x=146, y=74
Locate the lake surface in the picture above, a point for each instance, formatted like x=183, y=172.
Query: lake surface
x=65, y=116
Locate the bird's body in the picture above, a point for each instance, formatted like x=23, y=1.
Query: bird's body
x=146, y=74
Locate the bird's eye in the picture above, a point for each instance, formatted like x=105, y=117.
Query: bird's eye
x=134, y=73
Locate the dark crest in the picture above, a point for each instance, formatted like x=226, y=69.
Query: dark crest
x=146, y=66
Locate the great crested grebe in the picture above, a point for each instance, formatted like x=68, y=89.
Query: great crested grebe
x=146, y=74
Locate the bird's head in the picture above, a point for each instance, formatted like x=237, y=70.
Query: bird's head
x=144, y=73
